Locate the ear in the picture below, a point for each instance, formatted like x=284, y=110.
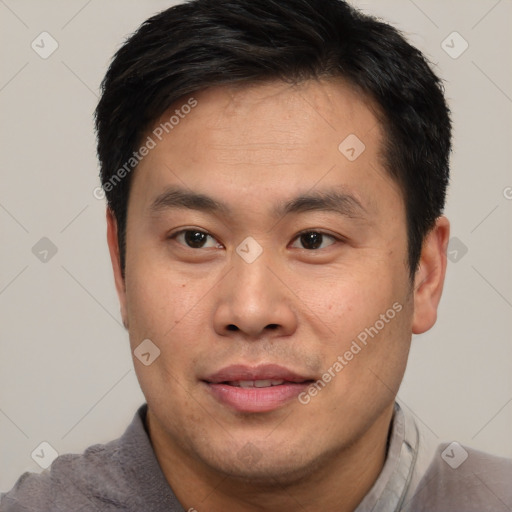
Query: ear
x=429, y=278
x=113, y=247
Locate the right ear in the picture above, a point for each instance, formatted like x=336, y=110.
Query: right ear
x=113, y=247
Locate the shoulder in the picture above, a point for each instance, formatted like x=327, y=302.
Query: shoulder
x=73, y=482
x=463, y=479
x=98, y=479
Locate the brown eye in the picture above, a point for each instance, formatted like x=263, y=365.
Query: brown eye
x=312, y=240
x=194, y=239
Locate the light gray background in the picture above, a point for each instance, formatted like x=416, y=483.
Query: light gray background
x=66, y=373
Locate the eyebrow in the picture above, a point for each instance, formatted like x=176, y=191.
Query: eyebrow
x=342, y=203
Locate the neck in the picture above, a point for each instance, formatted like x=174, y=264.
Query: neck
x=338, y=482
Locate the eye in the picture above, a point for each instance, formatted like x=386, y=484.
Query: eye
x=314, y=239
x=194, y=239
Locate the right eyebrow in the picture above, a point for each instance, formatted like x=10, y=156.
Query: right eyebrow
x=177, y=197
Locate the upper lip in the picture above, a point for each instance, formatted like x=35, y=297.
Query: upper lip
x=240, y=372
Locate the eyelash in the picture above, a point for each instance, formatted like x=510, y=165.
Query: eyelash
x=320, y=232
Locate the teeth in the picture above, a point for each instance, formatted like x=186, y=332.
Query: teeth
x=257, y=383
x=262, y=383
x=246, y=383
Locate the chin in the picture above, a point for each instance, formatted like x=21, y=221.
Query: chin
x=267, y=469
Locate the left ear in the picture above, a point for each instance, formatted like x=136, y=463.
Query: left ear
x=429, y=278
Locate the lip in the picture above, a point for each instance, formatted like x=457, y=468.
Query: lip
x=252, y=400
x=261, y=372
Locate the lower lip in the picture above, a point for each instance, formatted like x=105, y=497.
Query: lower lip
x=256, y=399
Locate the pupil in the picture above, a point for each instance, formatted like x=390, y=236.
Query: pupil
x=313, y=240
x=194, y=238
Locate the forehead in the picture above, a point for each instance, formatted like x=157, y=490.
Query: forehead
x=255, y=141
x=275, y=116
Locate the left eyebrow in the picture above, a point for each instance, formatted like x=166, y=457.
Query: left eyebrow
x=342, y=203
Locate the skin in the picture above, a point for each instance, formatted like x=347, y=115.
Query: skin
x=251, y=148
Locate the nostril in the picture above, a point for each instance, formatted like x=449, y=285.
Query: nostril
x=232, y=327
x=272, y=326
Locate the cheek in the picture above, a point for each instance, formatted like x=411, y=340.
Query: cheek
x=368, y=312
x=374, y=354
x=158, y=300
x=348, y=300
x=170, y=311
x=161, y=309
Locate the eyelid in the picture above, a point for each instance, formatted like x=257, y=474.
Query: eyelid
x=320, y=231
x=188, y=228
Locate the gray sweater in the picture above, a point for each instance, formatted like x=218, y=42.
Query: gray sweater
x=124, y=475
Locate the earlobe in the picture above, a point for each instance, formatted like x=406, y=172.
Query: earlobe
x=429, y=278
x=113, y=247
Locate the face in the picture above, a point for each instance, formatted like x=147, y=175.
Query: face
x=268, y=265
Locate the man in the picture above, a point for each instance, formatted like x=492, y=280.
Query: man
x=275, y=173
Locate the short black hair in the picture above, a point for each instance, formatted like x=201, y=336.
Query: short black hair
x=203, y=43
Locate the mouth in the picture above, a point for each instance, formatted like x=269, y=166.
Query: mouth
x=262, y=388
x=264, y=383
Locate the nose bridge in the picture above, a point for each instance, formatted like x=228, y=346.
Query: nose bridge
x=252, y=284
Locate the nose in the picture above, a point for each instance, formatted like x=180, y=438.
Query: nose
x=254, y=301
